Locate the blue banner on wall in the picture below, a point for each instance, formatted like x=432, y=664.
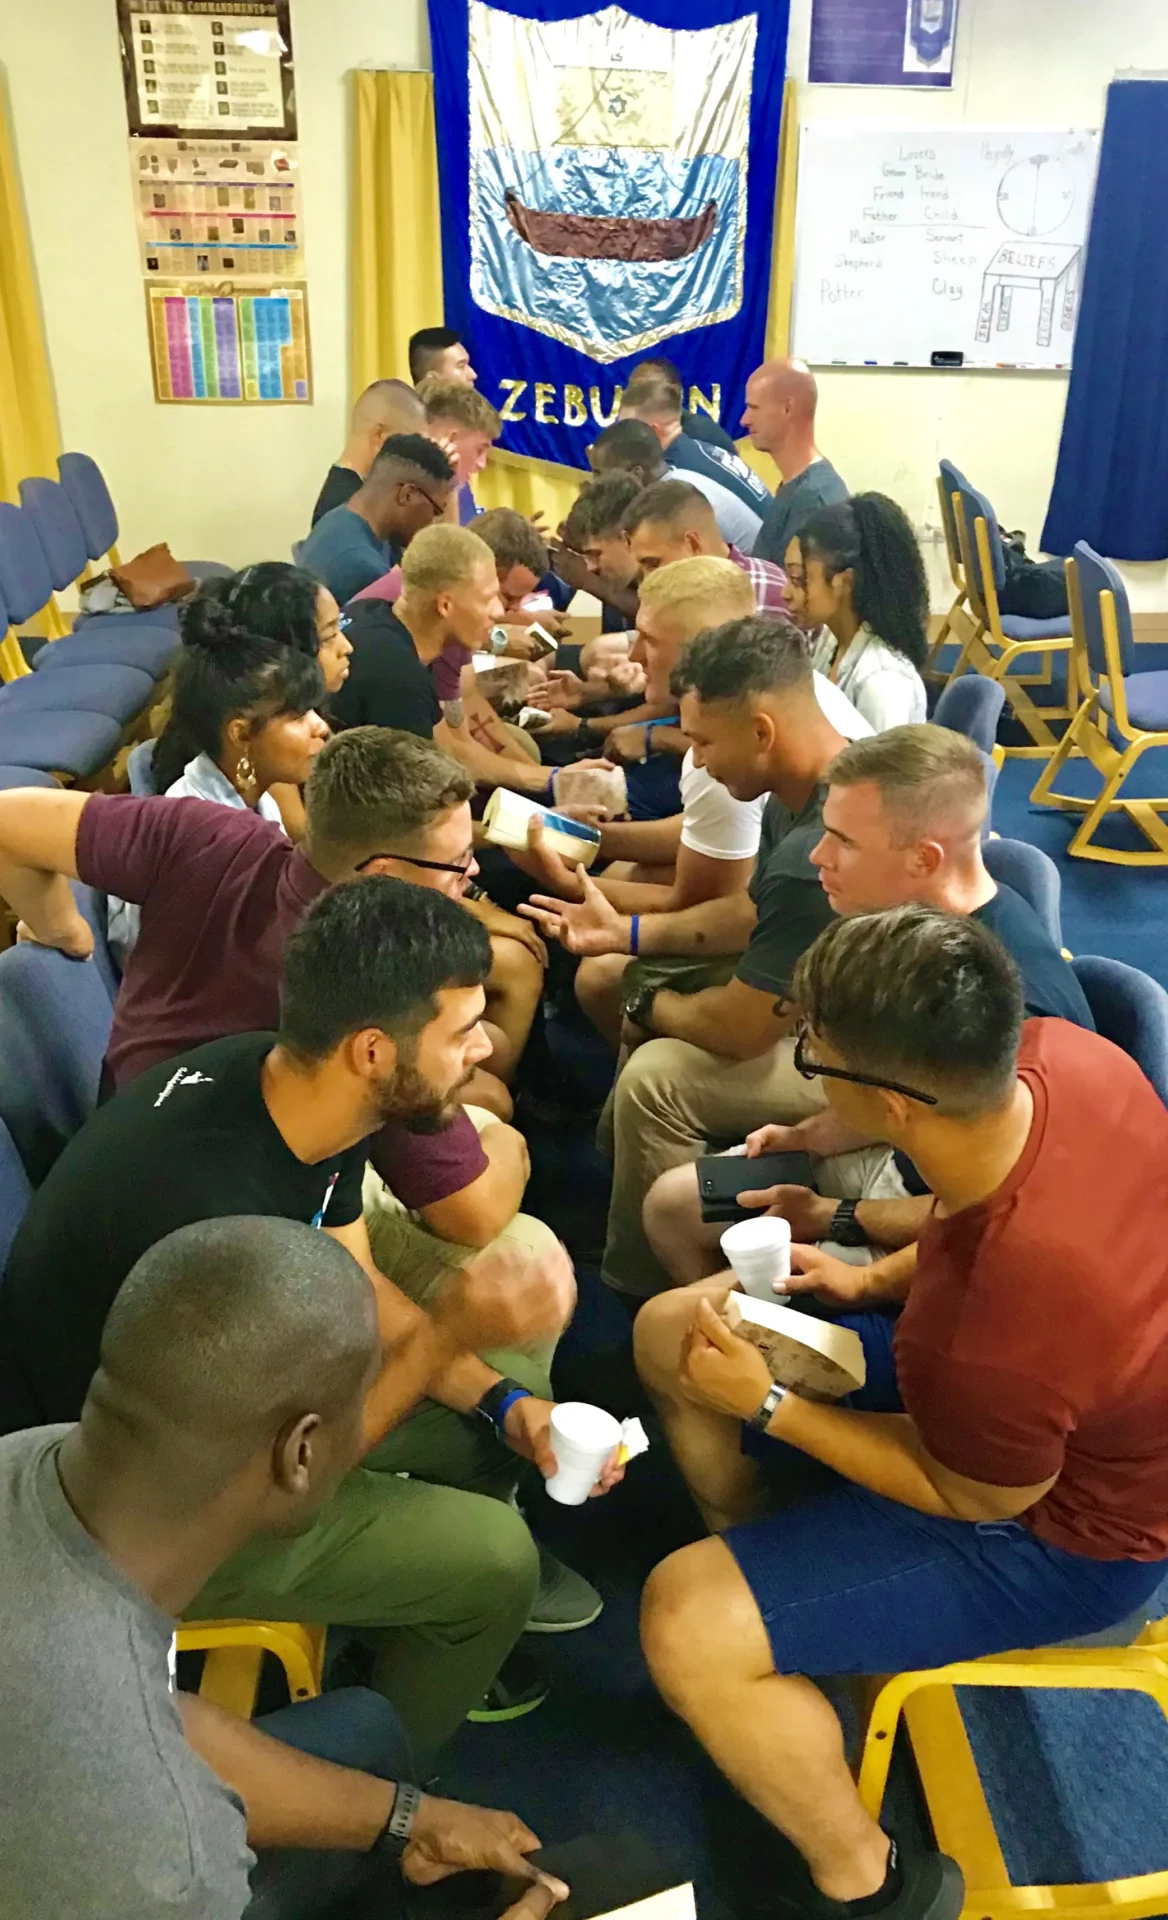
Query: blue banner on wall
x=608, y=186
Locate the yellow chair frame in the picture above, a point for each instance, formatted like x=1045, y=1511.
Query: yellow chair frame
x=958, y=622
x=961, y=1819
x=991, y=652
x=235, y=1651
x=1089, y=734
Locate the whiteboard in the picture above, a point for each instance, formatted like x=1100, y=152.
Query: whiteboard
x=969, y=240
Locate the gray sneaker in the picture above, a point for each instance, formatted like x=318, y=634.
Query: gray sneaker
x=565, y=1600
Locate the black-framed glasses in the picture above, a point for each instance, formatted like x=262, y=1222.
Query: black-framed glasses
x=812, y=1070
x=431, y=866
x=437, y=507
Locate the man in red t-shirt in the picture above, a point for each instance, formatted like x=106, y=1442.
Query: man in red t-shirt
x=1003, y=1475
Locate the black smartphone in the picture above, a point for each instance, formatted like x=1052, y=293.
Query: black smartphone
x=722, y=1177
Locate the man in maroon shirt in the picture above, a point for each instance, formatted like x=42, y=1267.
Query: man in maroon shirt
x=1003, y=1475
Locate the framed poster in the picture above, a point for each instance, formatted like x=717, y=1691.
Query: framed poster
x=219, y=207
x=882, y=43
x=194, y=66
x=225, y=345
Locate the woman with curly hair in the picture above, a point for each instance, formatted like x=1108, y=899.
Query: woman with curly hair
x=855, y=571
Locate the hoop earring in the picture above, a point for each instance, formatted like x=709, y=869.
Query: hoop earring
x=245, y=773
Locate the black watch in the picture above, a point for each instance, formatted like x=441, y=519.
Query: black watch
x=845, y=1229
x=498, y=1399
x=394, y=1837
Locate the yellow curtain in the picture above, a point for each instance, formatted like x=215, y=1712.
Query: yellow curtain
x=396, y=272
x=778, y=333
x=29, y=435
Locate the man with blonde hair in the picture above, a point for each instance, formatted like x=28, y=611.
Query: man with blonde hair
x=466, y=423
x=407, y=489
x=902, y=823
x=711, y=845
x=385, y=408
x=781, y=397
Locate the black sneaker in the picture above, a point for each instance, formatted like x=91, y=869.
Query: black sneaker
x=933, y=1888
x=519, y=1687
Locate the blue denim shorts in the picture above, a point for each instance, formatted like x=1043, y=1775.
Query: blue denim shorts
x=849, y=1582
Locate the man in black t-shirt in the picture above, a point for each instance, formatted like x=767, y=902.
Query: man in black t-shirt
x=388, y=406
x=381, y=1018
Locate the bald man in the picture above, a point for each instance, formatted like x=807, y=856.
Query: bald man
x=780, y=418
x=387, y=407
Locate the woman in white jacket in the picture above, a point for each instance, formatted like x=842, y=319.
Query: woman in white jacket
x=855, y=572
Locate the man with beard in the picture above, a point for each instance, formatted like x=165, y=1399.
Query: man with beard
x=381, y=1010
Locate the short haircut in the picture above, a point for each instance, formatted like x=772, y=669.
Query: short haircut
x=463, y=406
x=427, y=347
x=375, y=952
x=929, y=778
x=670, y=503
x=628, y=443
x=513, y=540
x=657, y=363
x=405, y=455
x=378, y=790
x=762, y=654
x=226, y=1330
x=927, y=998
x=701, y=592
x=388, y=403
x=600, y=507
x=442, y=556
x=653, y=394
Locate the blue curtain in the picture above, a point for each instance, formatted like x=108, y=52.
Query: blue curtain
x=1111, y=483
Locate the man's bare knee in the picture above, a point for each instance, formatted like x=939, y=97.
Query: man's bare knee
x=659, y=1332
x=672, y=1206
x=598, y=979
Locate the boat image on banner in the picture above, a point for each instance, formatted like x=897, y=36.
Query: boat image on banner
x=608, y=175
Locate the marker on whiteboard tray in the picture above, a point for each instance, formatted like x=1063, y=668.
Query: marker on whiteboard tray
x=839, y=363
x=871, y=363
x=900, y=363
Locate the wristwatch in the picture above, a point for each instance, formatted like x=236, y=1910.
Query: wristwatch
x=498, y=640
x=499, y=1399
x=394, y=1837
x=639, y=1006
x=761, y=1420
x=845, y=1229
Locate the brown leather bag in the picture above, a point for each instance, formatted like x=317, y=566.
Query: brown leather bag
x=153, y=578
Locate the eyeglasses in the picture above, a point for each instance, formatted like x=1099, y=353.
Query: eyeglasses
x=436, y=507
x=431, y=866
x=812, y=1070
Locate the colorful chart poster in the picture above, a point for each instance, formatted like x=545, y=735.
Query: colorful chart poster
x=223, y=344
x=218, y=207
x=195, y=66
x=883, y=43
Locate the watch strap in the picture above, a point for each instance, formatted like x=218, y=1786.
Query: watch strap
x=395, y=1834
x=845, y=1229
x=499, y=1399
x=761, y=1420
x=498, y=641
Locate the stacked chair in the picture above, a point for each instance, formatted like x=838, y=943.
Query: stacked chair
x=1124, y=713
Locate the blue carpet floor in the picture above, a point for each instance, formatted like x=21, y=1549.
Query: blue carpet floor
x=1077, y=1783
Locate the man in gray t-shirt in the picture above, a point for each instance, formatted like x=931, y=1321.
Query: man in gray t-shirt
x=781, y=398
x=234, y=1368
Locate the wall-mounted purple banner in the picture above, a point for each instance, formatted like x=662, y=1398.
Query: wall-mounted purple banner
x=883, y=43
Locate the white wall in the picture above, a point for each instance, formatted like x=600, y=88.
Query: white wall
x=1021, y=63
x=216, y=482
x=236, y=484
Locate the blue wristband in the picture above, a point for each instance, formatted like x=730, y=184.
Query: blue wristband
x=635, y=934
x=505, y=1405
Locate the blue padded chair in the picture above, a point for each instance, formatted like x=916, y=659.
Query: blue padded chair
x=94, y=904
x=1131, y=1009
x=55, y=1020
x=11, y=777
x=973, y=706
x=997, y=641
x=1124, y=713
x=92, y=502
x=75, y=743
x=1033, y=874
x=26, y=587
x=120, y=693
x=138, y=769
x=64, y=546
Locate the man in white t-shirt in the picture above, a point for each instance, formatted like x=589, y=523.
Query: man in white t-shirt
x=708, y=850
